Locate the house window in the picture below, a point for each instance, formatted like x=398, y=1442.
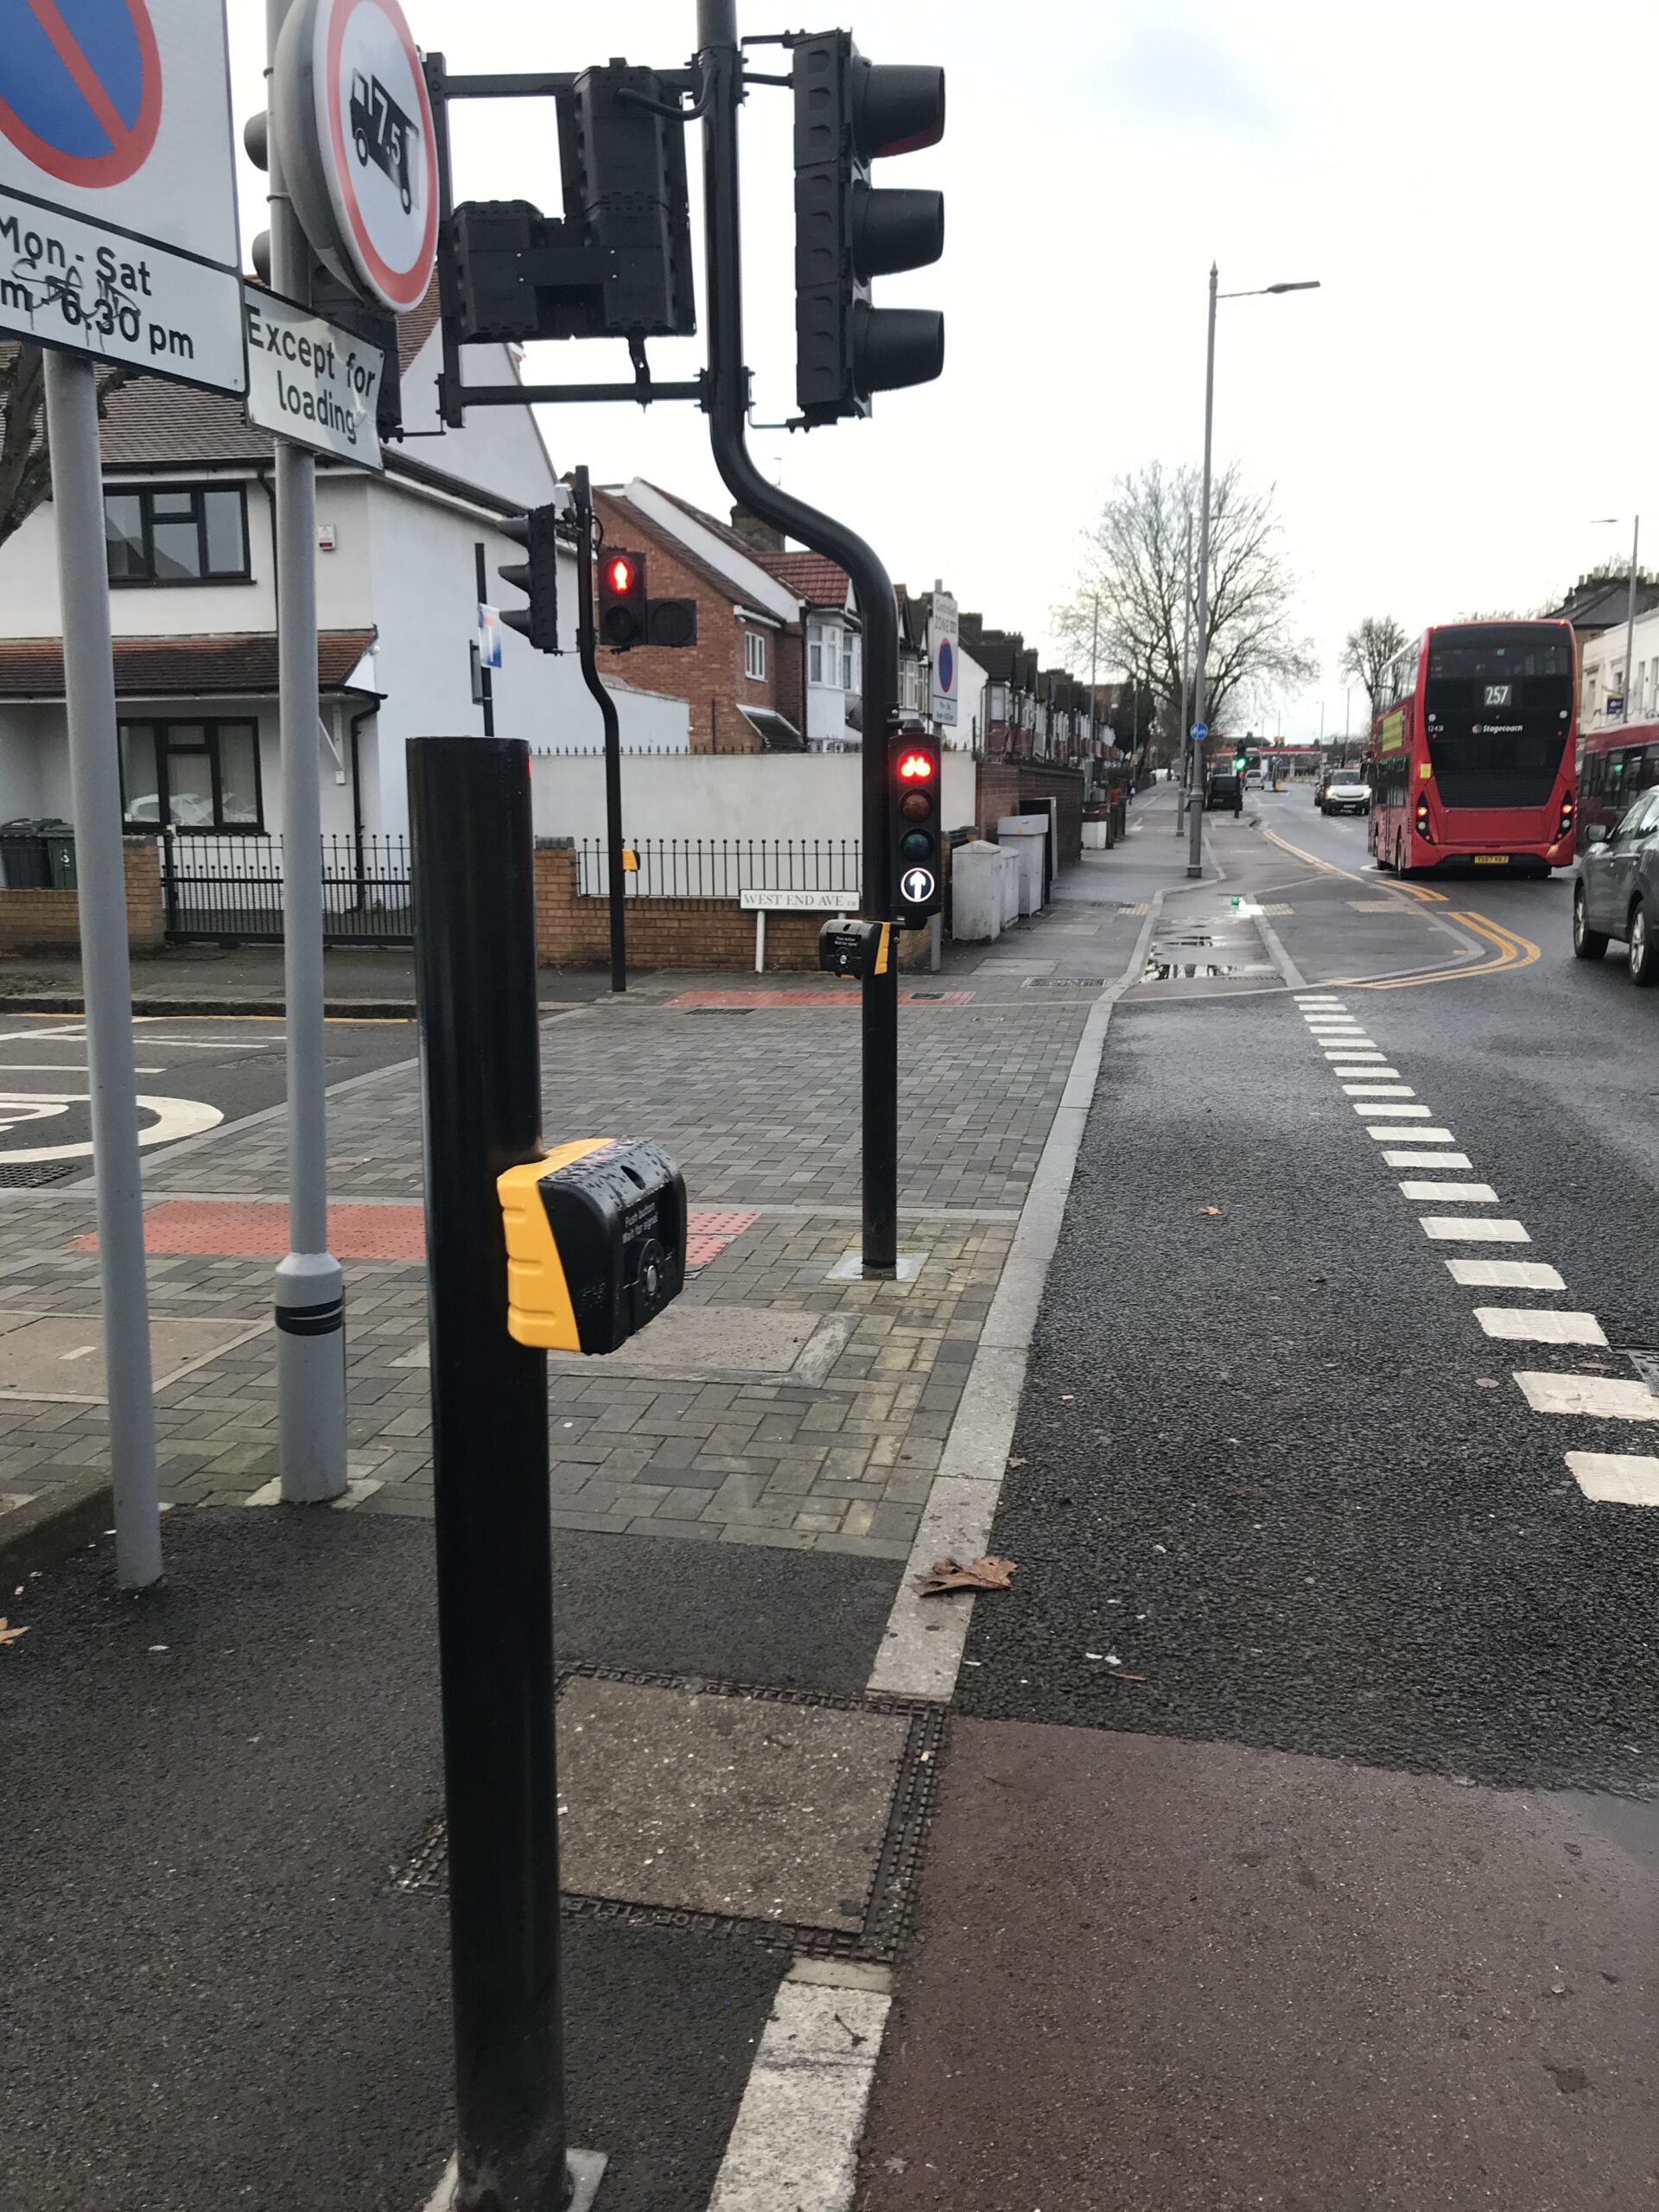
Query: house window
x=177, y=534
x=815, y=635
x=755, y=655
x=190, y=775
x=849, y=679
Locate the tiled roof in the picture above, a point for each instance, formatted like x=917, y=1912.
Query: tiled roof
x=819, y=581
x=242, y=665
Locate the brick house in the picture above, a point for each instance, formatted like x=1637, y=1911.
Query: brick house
x=743, y=679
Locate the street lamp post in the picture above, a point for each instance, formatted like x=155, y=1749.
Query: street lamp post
x=1630, y=616
x=1195, y=799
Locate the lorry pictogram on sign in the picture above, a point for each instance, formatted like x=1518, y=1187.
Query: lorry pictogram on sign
x=80, y=86
x=381, y=132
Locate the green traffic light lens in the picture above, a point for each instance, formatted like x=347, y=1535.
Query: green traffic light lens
x=917, y=846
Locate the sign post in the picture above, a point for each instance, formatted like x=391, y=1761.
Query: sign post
x=118, y=242
x=352, y=180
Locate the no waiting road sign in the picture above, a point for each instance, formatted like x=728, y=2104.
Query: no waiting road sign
x=943, y=629
x=118, y=189
x=354, y=128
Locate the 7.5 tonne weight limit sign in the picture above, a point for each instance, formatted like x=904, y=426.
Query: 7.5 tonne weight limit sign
x=117, y=189
x=354, y=128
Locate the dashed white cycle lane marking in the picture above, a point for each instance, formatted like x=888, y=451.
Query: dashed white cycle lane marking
x=1604, y=1477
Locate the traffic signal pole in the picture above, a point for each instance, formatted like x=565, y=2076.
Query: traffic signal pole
x=726, y=399
x=587, y=649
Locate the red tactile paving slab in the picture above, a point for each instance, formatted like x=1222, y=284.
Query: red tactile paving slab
x=733, y=1002
x=1201, y=1978
x=256, y=1228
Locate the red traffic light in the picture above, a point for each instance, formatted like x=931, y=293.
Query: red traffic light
x=915, y=767
x=620, y=573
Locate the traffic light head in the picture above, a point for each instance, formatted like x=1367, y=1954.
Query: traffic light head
x=537, y=577
x=848, y=113
x=624, y=609
x=913, y=816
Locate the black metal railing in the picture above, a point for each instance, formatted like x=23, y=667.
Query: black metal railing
x=723, y=868
x=229, y=888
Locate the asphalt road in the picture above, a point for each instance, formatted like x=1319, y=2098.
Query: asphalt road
x=1298, y=1833
x=192, y=1074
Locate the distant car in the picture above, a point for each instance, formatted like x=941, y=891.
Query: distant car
x=1223, y=792
x=1345, y=791
x=1253, y=780
x=1616, y=891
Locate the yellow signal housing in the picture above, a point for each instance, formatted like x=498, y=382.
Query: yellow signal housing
x=630, y=860
x=539, y=1308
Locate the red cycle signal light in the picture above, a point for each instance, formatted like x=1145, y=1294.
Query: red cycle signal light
x=913, y=766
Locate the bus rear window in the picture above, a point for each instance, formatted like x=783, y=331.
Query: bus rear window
x=1497, y=673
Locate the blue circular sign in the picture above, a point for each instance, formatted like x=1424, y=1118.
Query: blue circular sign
x=80, y=86
x=947, y=665
x=1200, y=731
x=917, y=884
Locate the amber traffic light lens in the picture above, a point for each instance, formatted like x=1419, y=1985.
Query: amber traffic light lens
x=916, y=806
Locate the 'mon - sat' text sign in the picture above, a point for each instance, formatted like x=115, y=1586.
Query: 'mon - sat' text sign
x=310, y=381
x=118, y=193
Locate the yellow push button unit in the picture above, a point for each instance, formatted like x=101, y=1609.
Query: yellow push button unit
x=595, y=1234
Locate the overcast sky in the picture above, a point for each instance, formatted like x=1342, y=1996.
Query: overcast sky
x=1442, y=420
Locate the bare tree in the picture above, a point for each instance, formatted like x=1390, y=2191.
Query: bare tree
x=25, y=463
x=1366, y=652
x=1136, y=570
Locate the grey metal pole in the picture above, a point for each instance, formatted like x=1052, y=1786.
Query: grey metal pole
x=310, y=1288
x=1195, y=799
x=95, y=783
x=1187, y=674
x=1629, y=619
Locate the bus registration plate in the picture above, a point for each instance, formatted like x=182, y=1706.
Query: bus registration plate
x=1491, y=860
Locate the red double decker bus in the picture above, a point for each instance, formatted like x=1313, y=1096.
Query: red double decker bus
x=1472, y=750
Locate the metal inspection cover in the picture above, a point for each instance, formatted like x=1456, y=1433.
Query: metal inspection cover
x=60, y=1356
x=789, y=1818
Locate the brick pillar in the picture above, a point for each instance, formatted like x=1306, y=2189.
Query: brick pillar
x=556, y=903
x=141, y=860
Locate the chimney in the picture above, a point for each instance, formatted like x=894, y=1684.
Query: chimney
x=761, y=536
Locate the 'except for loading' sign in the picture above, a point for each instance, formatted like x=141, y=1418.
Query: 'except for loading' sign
x=80, y=86
x=917, y=886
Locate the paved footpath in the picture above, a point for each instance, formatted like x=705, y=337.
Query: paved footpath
x=224, y=1978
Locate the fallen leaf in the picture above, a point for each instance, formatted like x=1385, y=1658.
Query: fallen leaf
x=1018, y=1463
x=986, y=1573
x=1209, y=1209
x=9, y=1635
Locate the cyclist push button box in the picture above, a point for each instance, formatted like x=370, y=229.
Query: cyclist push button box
x=595, y=1235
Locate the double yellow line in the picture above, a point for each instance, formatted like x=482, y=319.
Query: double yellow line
x=1509, y=948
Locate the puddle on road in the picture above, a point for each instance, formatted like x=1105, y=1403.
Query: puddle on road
x=1164, y=971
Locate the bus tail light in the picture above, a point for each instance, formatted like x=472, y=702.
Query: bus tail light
x=1422, y=817
x=1564, y=826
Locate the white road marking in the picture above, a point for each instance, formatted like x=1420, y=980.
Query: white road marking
x=1400, y=1113
x=174, y=1118
x=1377, y=1090
x=1477, y=1228
x=1388, y=1133
x=80, y=1351
x=1601, y=1396
x=1464, y=1194
x=795, y=2140
x=1615, y=1478
x=1352, y=1052
x=1366, y=1064
x=1539, y=1325
x=58, y=1067
x=1317, y=998
x=1504, y=1274
x=1427, y=1159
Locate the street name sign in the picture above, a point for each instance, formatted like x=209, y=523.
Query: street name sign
x=353, y=127
x=118, y=185
x=798, y=902
x=943, y=632
x=310, y=381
